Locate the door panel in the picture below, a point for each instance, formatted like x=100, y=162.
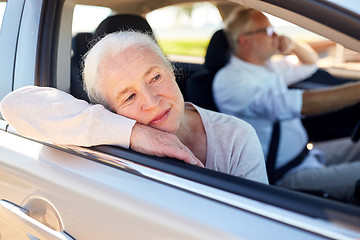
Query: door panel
x=95, y=201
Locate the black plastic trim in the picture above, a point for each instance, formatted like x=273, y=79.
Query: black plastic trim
x=48, y=43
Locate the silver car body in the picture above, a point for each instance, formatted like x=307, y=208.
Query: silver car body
x=67, y=192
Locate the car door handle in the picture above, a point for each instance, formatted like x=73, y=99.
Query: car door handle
x=17, y=216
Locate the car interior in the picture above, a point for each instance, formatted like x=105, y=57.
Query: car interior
x=195, y=80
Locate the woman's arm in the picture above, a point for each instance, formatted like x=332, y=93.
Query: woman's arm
x=51, y=115
x=252, y=163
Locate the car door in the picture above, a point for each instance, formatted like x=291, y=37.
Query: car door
x=57, y=192
x=49, y=191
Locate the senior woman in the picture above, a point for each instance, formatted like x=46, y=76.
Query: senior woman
x=128, y=74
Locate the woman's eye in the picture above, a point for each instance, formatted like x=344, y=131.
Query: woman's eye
x=130, y=97
x=157, y=77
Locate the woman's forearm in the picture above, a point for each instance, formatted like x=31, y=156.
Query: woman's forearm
x=51, y=115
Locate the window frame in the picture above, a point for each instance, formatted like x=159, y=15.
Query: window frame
x=8, y=44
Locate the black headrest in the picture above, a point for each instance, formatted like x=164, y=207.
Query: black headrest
x=199, y=89
x=122, y=22
x=80, y=44
x=218, y=52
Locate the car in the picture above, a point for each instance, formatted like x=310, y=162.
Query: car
x=51, y=191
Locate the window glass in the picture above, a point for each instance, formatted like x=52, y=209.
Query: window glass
x=2, y=10
x=187, y=29
x=351, y=5
x=334, y=57
x=87, y=18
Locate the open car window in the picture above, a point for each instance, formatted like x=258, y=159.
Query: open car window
x=334, y=58
x=186, y=33
x=331, y=56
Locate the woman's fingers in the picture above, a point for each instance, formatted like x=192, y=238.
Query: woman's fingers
x=151, y=141
x=176, y=149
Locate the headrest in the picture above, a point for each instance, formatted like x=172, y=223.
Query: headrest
x=122, y=22
x=80, y=42
x=218, y=52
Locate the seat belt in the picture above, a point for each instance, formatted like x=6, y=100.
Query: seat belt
x=275, y=174
x=272, y=153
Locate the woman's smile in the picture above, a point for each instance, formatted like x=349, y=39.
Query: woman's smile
x=160, y=118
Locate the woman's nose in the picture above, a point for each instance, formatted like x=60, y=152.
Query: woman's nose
x=150, y=100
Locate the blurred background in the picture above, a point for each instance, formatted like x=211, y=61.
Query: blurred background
x=185, y=34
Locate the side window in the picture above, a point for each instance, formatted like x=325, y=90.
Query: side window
x=87, y=18
x=333, y=57
x=186, y=33
x=2, y=11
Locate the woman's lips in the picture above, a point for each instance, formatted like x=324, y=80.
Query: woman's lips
x=160, y=118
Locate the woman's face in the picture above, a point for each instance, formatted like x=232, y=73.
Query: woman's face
x=139, y=85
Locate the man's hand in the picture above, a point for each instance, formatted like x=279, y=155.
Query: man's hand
x=303, y=51
x=151, y=141
x=286, y=45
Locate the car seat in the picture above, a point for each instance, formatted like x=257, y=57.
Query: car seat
x=122, y=22
x=80, y=45
x=199, y=84
x=82, y=42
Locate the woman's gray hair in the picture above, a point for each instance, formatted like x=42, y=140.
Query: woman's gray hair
x=238, y=22
x=109, y=47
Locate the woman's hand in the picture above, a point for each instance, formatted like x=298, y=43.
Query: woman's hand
x=151, y=141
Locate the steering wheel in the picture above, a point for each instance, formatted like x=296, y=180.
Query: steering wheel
x=355, y=136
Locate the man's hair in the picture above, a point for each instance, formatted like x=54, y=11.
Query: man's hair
x=238, y=22
x=109, y=47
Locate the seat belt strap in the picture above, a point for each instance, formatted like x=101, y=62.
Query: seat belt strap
x=279, y=173
x=272, y=153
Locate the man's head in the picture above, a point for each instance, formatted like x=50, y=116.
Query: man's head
x=251, y=36
x=128, y=73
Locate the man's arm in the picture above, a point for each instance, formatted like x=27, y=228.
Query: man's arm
x=303, y=51
x=51, y=115
x=317, y=102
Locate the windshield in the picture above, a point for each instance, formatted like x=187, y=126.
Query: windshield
x=351, y=5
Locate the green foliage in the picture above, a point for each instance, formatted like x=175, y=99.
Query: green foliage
x=184, y=47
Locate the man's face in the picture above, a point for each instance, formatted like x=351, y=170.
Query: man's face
x=139, y=85
x=263, y=41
